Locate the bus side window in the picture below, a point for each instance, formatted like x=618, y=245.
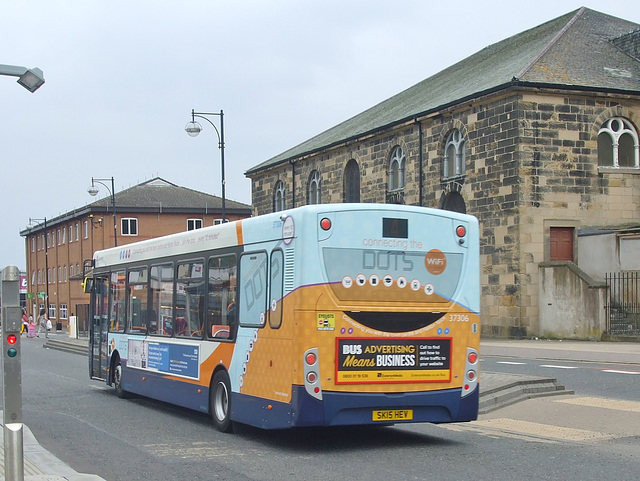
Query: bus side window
x=161, y=299
x=253, y=289
x=221, y=297
x=137, y=299
x=116, y=301
x=276, y=289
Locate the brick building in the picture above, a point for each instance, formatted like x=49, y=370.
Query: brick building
x=56, y=252
x=536, y=135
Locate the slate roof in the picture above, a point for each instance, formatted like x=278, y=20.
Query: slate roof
x=575, y=51
x=158, y=195
x=155, y=195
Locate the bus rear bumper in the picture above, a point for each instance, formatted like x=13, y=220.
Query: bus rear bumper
x=338, y=409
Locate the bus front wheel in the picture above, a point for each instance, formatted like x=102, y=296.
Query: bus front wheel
x=221, y=402
x=117, y=380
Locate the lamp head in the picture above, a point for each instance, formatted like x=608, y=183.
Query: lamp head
x=193, y=128
x=32, y=79
x=93, y=190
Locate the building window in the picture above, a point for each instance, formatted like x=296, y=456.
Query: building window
x=618, y=144
x=77, y=232
x=63, y=311
x=86, y=229
x=70, y=233
x=65, y=274
x=33, y=244
x=352, y=182
x=396, y=169
x=64, y=235
x=71, y=270
x=60, y=274
x=59, y=237
x=52, y=311
x=453, y=164
x=193, y=224
x=130, y=226
x=33, y=277
x=314, y=188
x=279, y=197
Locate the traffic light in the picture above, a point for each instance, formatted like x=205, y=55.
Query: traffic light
x=12, y=349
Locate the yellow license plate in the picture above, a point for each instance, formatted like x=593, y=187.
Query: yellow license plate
x=393, y=415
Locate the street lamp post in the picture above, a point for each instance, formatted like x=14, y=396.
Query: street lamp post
x=193, y=128
x=93, y=191
x=30, y=78
x=46, y=262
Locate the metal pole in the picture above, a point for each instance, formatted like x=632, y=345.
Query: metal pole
x=224, y=219
x=46, y=267
x=115, y=222
x=12, y=375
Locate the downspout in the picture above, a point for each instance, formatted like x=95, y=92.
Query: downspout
x=420, y=167
x=293, y=183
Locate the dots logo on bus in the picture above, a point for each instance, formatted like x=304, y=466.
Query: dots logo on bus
x=125, y=254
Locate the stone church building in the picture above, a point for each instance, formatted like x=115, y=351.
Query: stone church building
x=536, y=135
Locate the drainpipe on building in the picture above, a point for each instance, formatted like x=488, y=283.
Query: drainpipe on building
x=293, y=183
x=420, y=167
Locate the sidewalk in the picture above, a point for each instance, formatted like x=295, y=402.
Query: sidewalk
x=40, y=464
x=588, y=351
x=496, y=389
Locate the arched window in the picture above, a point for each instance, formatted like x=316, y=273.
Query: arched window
x=279, y=197
x=314, y=188
x=396, y=169
x=454, y=160
x=618, y=144
x=352, y=182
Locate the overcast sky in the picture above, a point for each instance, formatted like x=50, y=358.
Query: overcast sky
x=123, y=76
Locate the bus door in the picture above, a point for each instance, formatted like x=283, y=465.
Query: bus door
x=99, y=328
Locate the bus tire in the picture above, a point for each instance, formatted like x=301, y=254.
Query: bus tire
x=220, y=402
x=117, y=380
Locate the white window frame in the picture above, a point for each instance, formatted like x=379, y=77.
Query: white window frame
x=315, y=182
x=454, y=167
x=193, y=224
x=279, y=197
x=129, y=222
x=615, y=128
x=396, y=169
x=64, y=311
x=52, y=311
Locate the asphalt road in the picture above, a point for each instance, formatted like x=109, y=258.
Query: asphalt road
x=82, y=422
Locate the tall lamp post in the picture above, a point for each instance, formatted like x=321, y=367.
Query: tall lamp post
x=30, y=78
x=193, y=128
x=46, y=261
x=93, y=191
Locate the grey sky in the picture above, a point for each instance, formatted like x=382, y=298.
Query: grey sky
x=123, y=76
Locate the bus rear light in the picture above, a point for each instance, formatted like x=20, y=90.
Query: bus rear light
x=471, y=372
x=311, y=367
x=310, y=358
x=325, y=224
x=461, y=231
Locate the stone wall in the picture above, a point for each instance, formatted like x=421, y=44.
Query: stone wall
x=531, y=164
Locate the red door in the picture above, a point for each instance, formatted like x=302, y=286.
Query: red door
x=561, y=244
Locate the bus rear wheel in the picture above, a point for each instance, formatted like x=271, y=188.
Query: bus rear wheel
x=220, y=402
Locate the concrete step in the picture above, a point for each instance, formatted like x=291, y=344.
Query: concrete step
x=73, y=346
x=512, y=392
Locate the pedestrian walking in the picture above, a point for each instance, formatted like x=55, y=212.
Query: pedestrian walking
x=43, y=322
x=25, y=321
x=31, y=330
